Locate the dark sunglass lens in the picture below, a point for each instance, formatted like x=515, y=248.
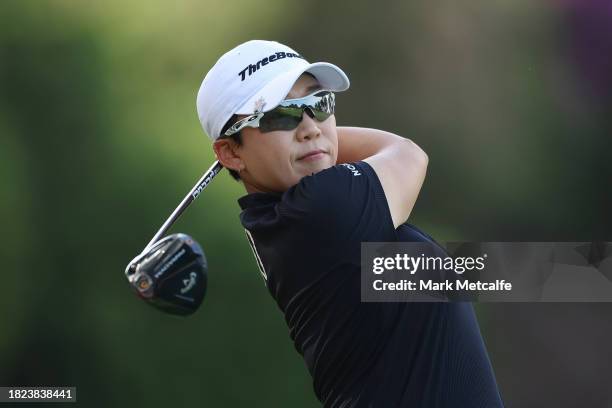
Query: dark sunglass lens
x=321, y=116
x=324, y=107
x=280, y=119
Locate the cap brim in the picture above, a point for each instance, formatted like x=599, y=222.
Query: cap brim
x=329, y=76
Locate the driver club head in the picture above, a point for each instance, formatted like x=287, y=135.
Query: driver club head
x=171, y=275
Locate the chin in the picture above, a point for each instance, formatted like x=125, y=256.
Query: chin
x=321, y=166
x=307, y=169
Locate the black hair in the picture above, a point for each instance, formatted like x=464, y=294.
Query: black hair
x=237, y=138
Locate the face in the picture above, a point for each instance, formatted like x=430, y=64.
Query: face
x=275, y=161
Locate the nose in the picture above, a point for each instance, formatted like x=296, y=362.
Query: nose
x=308, y=128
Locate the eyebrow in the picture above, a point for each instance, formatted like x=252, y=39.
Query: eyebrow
x=309, y=89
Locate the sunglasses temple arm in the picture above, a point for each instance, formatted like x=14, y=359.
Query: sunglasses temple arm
x=202, y=183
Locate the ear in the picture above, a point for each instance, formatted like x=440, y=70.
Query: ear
x=227, y=151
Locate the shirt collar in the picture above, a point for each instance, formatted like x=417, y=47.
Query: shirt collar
x=258, y=199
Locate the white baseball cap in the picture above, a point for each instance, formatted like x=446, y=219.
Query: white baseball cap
x=256, y=76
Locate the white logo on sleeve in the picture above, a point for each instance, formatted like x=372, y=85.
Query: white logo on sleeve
x=352, y=168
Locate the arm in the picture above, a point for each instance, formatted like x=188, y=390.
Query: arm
x=398, y=162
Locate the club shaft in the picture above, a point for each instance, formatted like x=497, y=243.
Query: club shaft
x=202, y=183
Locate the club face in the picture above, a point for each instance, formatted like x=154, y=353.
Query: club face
x=171, y=275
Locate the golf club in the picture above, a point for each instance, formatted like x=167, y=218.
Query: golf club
x=171, y=273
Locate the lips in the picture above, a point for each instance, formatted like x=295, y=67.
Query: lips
x=311, y=154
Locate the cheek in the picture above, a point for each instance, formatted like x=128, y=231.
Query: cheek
x=329, y=130
x=268, y=155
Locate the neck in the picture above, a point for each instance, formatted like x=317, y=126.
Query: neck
x=251, y=189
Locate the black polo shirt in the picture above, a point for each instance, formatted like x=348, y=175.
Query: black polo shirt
x=307, y=245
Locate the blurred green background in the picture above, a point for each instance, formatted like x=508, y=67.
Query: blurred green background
x=99, y=141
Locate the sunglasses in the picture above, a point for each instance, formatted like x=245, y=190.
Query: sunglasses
x=288, y=114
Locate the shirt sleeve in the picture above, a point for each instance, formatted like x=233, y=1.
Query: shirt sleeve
x=341, y=205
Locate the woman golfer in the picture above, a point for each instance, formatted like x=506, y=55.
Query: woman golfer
x=315, y=192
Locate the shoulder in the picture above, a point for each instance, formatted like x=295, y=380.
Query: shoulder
x=344, y=204
x=337, y=178
x=337, y=197
x=333, y=185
